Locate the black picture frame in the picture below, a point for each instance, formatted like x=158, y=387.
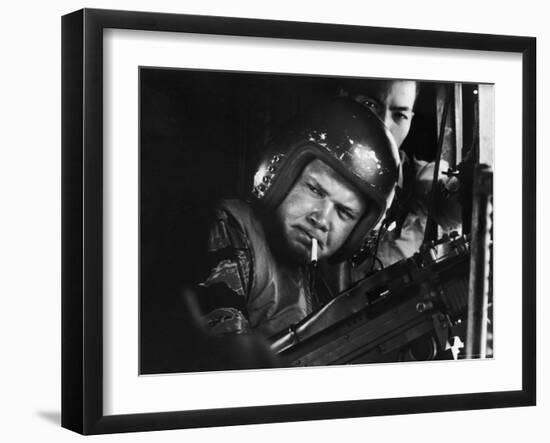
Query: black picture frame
x=82, y=218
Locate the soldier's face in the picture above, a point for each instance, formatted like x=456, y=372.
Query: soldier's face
x=393, y=102
x=320, y=205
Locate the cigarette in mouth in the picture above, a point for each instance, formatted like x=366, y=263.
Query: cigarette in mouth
x=314, y=253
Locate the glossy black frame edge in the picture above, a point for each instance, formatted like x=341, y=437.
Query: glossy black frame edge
x=82, y=359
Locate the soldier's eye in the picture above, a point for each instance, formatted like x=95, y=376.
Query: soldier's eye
x=345, y=214
x=313, y=189
x=401, y=116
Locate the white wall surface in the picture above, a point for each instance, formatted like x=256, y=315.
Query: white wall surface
x=30, y=171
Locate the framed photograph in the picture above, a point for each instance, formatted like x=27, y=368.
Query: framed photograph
x=269, y=221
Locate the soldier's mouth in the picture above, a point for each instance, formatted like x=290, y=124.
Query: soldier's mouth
x=307, y=237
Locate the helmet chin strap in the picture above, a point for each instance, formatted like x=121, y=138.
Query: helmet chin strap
x=381, y=230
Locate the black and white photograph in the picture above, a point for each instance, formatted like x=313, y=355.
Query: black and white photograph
x=269, y=221
x=295, y=220
x=289, y=221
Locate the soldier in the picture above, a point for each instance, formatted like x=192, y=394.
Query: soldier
x=319, y=189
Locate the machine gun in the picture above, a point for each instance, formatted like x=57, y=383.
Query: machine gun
x=411, y=310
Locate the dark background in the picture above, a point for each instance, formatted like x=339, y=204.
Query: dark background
x=201, y=134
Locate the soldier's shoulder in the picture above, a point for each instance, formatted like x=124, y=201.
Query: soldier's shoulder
x=235, y=221
x=236, y=207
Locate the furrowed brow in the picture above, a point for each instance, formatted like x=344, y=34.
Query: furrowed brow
x=318, y=185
